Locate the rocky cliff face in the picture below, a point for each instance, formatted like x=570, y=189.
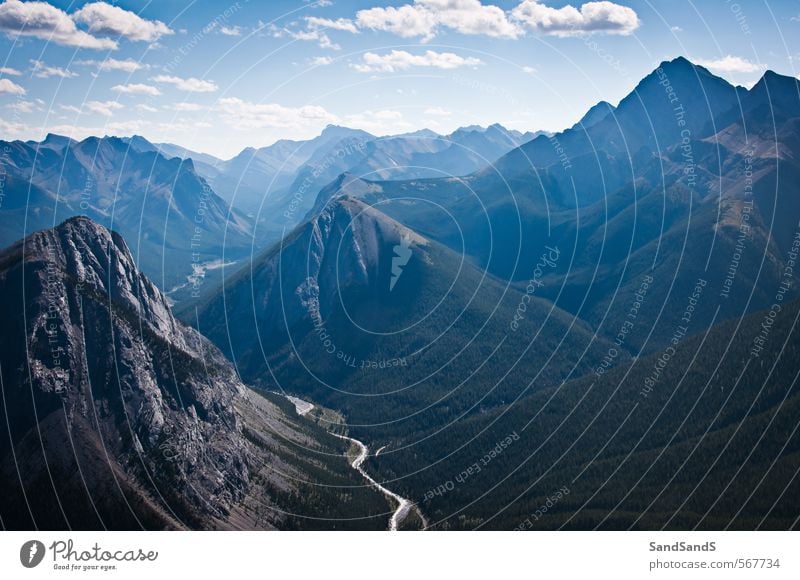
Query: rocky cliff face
x=112, y=378
x=118, y=415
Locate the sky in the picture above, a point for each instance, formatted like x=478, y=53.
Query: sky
x=219, y=76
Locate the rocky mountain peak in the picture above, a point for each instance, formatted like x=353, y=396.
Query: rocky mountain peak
x=94, y=344
x=100, y=261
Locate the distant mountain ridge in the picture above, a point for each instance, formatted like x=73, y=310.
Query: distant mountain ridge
x=264, y=181
x=156, y=194
x=172, y=218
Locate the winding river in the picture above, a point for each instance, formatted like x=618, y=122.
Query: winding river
x=404, y=506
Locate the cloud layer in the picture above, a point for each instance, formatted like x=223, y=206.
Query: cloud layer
x=592, y=17
x=731, y=64
x=244, y=115
x=137, y=89
x=104, y=18
x=191, y=85
x=401, y=60
x=128, y=65
x=427, y=18
x=45, y=21
x=10, y=87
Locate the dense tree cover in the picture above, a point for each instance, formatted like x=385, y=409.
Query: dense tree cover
x=712, y=444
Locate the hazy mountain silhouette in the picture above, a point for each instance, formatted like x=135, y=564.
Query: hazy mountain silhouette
x=170, y=216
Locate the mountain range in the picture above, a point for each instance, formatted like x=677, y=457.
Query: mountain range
x=705, y=186
x=173, y=220
x=572, y=255
x=189, y=215
x=601, y=321
x=278, y=184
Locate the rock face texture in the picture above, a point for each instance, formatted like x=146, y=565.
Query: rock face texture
x=118, y=416
x=98, y=374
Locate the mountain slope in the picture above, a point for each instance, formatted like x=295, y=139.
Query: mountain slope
x=367, y=316
x=206, y=165
x=422, y=154
x=704, y=436
x=120, y=417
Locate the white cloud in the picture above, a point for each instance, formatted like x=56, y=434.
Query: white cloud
x=400, y=60
x=406, y=21
x=230, y=30
x=191, y=85
x=438, y=112
x=13, y=129
x=189, y=107
x=244, y=115
x=41, y=20
x=146, y=108
x=127, y=65
x=105, y=108
x=312, y=35
x=731, y=64
x=104, y=18
x=137, y=89
x=529, y=70
x=322, y=39
x=425, y=17
x=344, y=24
x=381, y=122
x=320, y=61
x=591, y=17
x=42, y=71
x=7, y=70
x=11, y=88
x=25, y=106
x=315, y=30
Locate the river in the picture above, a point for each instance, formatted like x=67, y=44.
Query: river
x=404, y=506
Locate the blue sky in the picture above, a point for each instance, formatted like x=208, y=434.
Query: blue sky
x=219, y=76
